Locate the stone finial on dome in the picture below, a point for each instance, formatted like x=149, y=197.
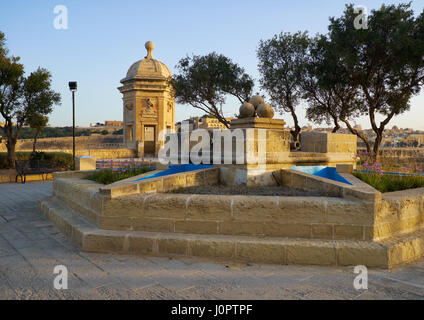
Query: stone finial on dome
x=149, y=47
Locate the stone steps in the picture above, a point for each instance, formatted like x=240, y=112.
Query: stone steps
x=383, y=254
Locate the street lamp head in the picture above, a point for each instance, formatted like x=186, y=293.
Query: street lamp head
x=73, y=85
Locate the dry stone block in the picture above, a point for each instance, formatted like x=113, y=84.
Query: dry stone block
x=312, y=254
x=165, y=206
x=211, y=248
x=304, y=210
x=115, y=223
x=196, y=226
x=348, y=232
x=343, y=211
x=209, y=207
x=287, y=230
x=241, y=228
x=261, y=252
x=129, y=206
x=194, y=179
x=153, y=224
x=173, y=246
x=138, y=245
x=255, y=208
x=322, y=231
x=366, y=254
x=174, y=182
x=103, y=242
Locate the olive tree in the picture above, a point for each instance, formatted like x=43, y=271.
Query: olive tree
x=331, y=96
x=37, y=123
x=21, y=97
x=385, y=62
x=203, y=82
x=282, y=64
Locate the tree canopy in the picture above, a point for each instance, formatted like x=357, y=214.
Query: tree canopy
x=204, y=82
x=21, y=97
x=348, y=72
x=282, y=64
x=385, y=62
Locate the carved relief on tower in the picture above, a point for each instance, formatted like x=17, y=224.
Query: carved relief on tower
x=170, y=105
x=149, y=108
x=129, y=114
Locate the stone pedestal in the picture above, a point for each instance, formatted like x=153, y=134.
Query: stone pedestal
x=266, y=142
x=272, y=141
x=85, y=163
x=258, y=123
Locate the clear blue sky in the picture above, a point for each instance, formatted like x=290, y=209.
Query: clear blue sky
x=104, y=37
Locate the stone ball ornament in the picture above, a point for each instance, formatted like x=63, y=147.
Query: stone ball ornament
x=150, y=46
x=256, y=101
x=264, y=110
x=247, y=110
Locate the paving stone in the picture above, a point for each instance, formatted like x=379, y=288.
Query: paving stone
x=30, y=247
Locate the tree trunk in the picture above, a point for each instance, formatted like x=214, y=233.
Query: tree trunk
x=377, y=143
x=35, y=141
x=11, y=154
x=358, y=134
x=297, y=129
x=336, y=127
x=336, y=124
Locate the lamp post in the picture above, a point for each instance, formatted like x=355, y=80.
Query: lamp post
x=73, y=88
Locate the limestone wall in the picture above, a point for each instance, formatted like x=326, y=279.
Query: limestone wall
x=65, y=143
x=346, y=213
x=401, y=156
x=149, y=209
x=399, y=212
x=324, y=142
x=294, y=217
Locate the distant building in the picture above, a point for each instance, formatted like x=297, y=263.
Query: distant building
x=209, y=123
x=114, y=123
x=418, y=138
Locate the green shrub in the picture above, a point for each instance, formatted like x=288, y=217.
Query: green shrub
x=60, y=160
x=112, y=175
x=390, y=183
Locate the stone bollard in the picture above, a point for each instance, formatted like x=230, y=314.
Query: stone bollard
x=85, y=163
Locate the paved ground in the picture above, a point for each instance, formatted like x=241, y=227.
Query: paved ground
x=30, y=248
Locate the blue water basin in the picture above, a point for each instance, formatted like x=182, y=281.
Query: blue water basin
x=177, y=169
x=323, y=172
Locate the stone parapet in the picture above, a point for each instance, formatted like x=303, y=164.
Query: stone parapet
x=324, y=142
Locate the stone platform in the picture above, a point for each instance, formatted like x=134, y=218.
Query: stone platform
x=352, y=225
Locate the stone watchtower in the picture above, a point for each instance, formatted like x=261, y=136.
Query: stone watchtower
x=149, y=107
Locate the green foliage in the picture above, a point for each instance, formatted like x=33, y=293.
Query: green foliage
x=205, y=81
x=109, y=176
x=330, y=96
x=118, y=132
x=58, y=159
x=390, y=183
x=21, y=96
x=37, y=121
x=384, y=62
x=58, y=132
x=282, y=64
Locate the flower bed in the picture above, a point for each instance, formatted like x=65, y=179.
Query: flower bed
x=110, y=174
x=390, y=182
